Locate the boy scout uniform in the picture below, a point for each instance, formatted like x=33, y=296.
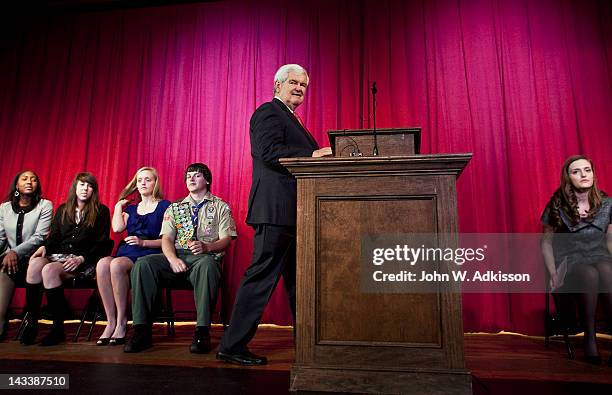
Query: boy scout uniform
x=213, y=221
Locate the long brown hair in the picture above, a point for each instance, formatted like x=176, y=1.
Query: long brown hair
x=564, y=197
x=92, y=206
x=132, y=186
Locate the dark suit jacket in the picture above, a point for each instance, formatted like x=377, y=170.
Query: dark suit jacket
x=275, y=133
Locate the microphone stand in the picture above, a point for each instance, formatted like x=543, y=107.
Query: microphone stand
x=374, y=90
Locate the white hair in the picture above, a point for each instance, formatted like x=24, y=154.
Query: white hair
x=283, y=73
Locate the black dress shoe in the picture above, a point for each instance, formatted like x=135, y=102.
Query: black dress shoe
x=29, y=333
x=117, y=341
x=244, y=358
x=103, y=341
x=140, y=341
x=5, y=329
x=593, y=359
x=55, y=336
x=201, y=341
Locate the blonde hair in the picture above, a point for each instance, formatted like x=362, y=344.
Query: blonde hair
x=131, y=187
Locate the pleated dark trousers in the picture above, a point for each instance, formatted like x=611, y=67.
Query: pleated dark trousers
x=273, y=256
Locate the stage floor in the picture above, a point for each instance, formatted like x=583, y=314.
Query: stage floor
x=499, y=363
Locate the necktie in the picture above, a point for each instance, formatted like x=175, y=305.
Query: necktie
x=297, y=116
x=299, y=120
x=195, y=217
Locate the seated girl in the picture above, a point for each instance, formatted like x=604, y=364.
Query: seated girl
x=143, y=223
x=79, y=237
x=25, y=219
x=577, y=244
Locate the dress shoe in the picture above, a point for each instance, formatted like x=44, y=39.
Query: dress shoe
x=29, y=333
x=103, y=341
x=593, y=359
x=5, y=329
x=243, y=358
x=117, y=341
x=201, y=341
x=55, y=336
x=140, y=341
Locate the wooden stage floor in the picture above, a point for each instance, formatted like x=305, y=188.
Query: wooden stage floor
x=499, y=363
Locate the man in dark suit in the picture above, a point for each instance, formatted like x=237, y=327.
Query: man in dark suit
x=276, y=132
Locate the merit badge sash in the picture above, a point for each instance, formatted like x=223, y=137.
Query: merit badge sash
x=185, y=230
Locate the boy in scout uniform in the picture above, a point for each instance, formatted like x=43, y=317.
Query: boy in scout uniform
x=195, y=232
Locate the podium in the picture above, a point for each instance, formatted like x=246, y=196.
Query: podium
x=391, y=142
x=349, y=341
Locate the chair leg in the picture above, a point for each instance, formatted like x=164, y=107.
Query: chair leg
x=547, y=322
x=93, y=321
x=568, y=345
x=169, y=312
x=560, y=323
x=91, y=302
x=78, y=331
x=22, y=325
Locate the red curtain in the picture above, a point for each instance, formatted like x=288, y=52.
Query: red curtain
x=521, y=84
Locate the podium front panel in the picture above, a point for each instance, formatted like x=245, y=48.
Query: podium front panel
x=384, y=318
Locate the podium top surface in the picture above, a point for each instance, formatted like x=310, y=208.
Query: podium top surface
x=432, y=164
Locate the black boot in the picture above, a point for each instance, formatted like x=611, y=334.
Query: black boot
x=57, y=307
x=34, y=294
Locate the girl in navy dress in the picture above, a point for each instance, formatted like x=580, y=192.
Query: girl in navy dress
x=143, y=223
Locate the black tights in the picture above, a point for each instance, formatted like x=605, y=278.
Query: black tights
x=592, y=281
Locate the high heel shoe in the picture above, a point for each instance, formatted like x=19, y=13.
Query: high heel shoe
x=117, y=341
x=103, y=341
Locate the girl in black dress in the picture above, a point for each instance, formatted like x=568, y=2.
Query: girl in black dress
x=577, y=244
x=79, y=237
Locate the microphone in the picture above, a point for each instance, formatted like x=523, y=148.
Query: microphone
x=374, y=91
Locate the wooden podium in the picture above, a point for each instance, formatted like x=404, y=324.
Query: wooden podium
x=349, y=341
x=391, y=142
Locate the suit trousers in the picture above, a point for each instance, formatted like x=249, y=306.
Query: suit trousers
x=203, y=272
x=273, y=256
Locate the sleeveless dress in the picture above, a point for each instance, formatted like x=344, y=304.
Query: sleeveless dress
x=145, y=227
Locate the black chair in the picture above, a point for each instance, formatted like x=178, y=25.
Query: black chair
x=92, y=307
x=562, y=321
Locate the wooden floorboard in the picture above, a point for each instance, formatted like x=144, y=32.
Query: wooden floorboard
x=499, y=363
x=276, y=343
